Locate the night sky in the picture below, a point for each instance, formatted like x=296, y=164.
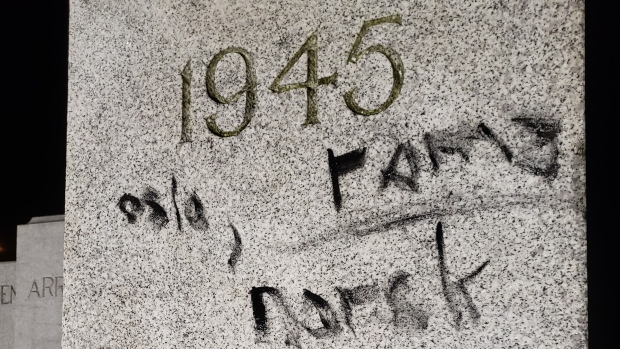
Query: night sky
x=34, y=75
x=34, y=111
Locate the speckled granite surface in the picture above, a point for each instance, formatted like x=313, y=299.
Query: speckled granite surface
x=461, y=219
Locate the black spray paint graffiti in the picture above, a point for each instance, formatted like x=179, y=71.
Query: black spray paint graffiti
x=456, y=293
x=538, y=155
x=413, y=159
x=174, y=202
x=158, y=215
x=340, y=165
x=405, y=313
x=194, y=212
x=293, y=325
x=357, y=296
x=461, y=142
x=542, y=134
x=236, y=252
x=133, y=208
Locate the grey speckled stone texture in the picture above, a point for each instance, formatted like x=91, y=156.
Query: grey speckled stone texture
x=491, y=122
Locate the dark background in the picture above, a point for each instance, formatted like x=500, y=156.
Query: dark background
x=35, y=52
x=34, y=74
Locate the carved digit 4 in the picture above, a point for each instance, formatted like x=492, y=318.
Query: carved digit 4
x=312, y=81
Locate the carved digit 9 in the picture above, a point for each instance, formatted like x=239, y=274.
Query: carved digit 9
x=249, y=89
x=398, y=70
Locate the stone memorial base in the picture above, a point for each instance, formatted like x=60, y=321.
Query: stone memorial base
x=31, y=288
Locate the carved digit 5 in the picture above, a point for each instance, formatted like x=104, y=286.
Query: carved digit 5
x=249, y=89
x=398, y=70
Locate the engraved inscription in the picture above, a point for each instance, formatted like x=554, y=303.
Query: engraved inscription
x=310, y=48
x=398, y=69
x=7, y=293
x=312, y=81
x=249, y=89
x=50, y=286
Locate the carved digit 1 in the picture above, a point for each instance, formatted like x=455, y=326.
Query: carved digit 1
x=312, y=80
x=249, y=89
x=186, y=111
x=398, y=69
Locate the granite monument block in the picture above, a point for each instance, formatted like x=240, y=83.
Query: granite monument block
x=325, y=174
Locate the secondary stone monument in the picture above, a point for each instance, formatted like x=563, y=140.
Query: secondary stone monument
x=31, y=288
x=7, y=292
x=325, y=174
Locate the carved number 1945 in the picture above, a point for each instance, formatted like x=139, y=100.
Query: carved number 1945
x=310, y=47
